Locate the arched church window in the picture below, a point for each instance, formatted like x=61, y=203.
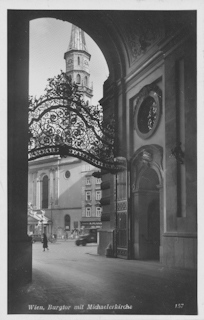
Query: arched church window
x=67, y=222
x=85, y=81
x=78, y=61
x=45, y=192
x=78, y=78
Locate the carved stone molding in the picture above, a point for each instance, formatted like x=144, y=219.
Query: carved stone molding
x=142, y=32
x=147, y=156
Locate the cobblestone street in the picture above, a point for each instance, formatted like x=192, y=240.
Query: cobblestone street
x=74, y=280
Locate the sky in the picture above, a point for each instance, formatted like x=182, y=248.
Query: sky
x=49, y=39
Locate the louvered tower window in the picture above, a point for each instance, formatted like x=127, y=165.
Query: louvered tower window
x=78, y=78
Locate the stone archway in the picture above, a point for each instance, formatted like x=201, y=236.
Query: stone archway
x=18, y=37
x=147, y=205
x=114, y=32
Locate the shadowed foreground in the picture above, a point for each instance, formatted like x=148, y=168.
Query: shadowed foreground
x=75, y=280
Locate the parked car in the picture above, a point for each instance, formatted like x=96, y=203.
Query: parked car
x=37, y=237
x=89, y=237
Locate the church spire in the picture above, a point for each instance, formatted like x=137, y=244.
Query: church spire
x=77, y=39
x=77, y=60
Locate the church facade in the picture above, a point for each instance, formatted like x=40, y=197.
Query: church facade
x=67, y=194
x=149, y=211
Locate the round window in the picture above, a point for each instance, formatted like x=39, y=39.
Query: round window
x=67, y=174
x=147, y=114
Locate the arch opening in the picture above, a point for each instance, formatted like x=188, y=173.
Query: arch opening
x=67, y=125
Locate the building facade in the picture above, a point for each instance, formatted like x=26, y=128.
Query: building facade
x=66, y=192
x=149, y=210
x=91, y=196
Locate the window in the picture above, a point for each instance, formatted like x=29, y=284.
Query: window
x=45, y=192
x=98, y=180
x=148, y=111
x=88, y=181
x=67, y=174
x=88, y=195
x=87, y=167
x=78, y=80
x=67, y=222
x=98, y=211
x=78, y=61
x=88, y=212
x=85, y=81
x=98, y=195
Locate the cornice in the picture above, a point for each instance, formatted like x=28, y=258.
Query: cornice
x=77, y=51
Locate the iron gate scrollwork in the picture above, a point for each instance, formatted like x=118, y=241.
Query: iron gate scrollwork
x=61, y=123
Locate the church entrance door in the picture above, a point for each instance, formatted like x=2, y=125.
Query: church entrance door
x=146, y=216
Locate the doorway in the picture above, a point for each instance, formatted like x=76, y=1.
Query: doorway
x=153, y=222
x=146, y=216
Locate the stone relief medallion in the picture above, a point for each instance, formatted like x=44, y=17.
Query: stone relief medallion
x=147, y=111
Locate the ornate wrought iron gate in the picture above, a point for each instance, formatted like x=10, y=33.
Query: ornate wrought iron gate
x=121, y=208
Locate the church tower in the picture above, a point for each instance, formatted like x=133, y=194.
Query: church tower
x=77, y=60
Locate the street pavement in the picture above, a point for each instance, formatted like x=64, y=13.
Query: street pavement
x=75, y=280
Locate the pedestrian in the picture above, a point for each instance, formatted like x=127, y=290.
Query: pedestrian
x=45, y=245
